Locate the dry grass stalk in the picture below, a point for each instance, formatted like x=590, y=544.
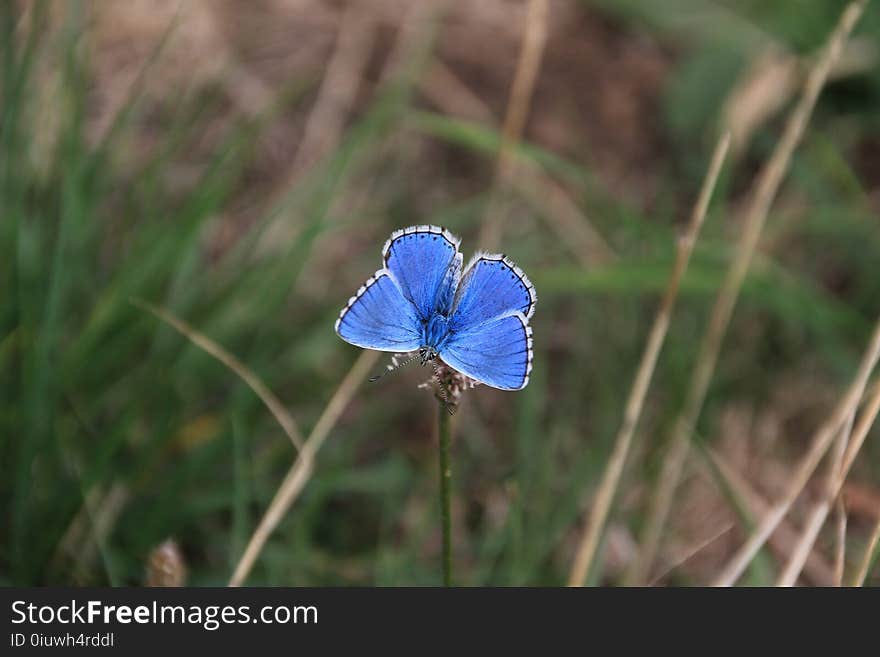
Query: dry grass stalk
x=803, y=547
x=444, y=89
x=205, y=343
x=819, y=513
x=840, y=552
x=692, y=553
x=866, y=421
x=448, y=92
x=868, y=557
x=819, y=444
x=86, y=536
x=336, y=97
x=416, y=24
x=301, y=469
x=837, y=477
x=785, y=538
x=862, y=500
x=774, y=77
x=574, y=229
x=769, y=181
x=530, y=56
x=326, y=121
x=614, y=469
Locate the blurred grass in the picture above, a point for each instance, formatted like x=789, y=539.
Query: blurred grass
x=97, y=397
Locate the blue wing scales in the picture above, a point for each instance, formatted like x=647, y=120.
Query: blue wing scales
x=380, y=317
x=426, y=264
x=489, y=307
x=492, y=286
x=497, y=352
x=490, y=338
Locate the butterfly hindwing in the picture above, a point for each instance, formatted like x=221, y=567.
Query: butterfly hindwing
x=380, y=317
x=497, y=352
x=425, y=262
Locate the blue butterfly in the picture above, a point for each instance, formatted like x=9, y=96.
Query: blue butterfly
x=476, y=321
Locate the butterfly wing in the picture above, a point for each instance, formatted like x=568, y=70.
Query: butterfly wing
x=490, y=338
x=426, y=264
x=492, y=286
x=497, y=352
x=380, y=317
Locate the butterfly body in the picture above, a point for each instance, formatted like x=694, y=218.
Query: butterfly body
x=436, y=331
x=476, y=320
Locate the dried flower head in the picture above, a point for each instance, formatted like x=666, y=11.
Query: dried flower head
x=448, y=384
x=166, y=565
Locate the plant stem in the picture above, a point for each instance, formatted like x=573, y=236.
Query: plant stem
x=445, y=491
x=767, y=187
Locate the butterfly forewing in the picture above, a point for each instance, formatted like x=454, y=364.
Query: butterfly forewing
x=379, y=317
x=492, y=286
x=425, y=263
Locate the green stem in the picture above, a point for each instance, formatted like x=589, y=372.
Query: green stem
x=445, y=492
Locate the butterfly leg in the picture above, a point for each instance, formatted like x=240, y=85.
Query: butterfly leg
x=449, y=405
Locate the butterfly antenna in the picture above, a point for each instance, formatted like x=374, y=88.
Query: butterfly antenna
x=394, y=366
x=444, y=394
